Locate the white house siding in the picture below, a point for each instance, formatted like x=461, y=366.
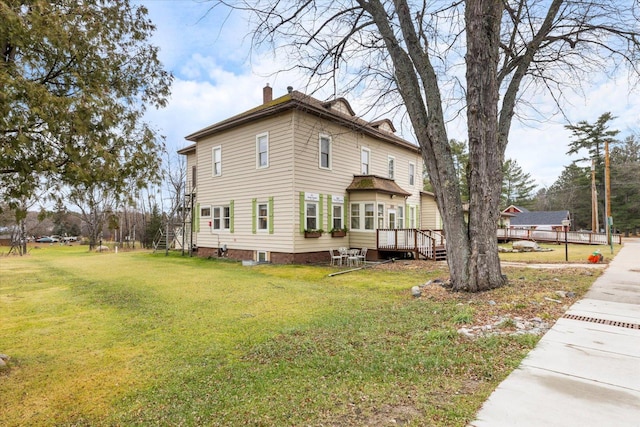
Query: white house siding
x=346, y=148
x=430, y=214
x=294, y=172
x=241, y=182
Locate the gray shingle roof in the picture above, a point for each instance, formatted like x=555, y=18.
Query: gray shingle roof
x=540, y=218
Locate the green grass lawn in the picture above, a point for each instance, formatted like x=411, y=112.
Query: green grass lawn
x=142, y=339
x=556, y=253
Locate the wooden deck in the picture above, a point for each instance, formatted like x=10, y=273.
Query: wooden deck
x=430, y=244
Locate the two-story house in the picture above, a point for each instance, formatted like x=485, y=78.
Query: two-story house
x=266, y=179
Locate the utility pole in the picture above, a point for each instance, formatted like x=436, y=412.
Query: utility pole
x=594, y=199
x=607, y=192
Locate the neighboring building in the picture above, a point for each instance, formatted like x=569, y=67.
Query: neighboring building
x=539, y=220
x=264, y=179
x=513, y=209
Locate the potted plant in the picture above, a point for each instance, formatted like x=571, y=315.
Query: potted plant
x=313, y=233
x=338, y=232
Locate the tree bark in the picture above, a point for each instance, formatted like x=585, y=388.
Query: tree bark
x=485, y=156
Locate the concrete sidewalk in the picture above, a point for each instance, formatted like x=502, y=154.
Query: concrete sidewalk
x=585, y=371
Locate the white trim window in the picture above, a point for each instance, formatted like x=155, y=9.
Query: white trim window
x=400, y=217
x=412, y=217
x=263, y=216
x=355, y=216
x=216, y=218
x=262, y=256
x=380, y=215
x=365, y=160
x=226, y=217
x=412, y=174
x=205, y=211
x=391, y=162
x=368, y=216
x=262, y=150
x=216, y=159
x=324, y=150
x=311, y=215
x=337, y=217
x=221, y=218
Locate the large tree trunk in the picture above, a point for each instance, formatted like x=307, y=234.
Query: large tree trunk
x=485, y=156
x=472, y=252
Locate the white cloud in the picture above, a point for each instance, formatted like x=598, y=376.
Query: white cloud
x=216, y=78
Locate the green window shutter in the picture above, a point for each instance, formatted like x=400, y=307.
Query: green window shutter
x=321, y=211
x=231, y=228
x=345, y=212
x=406, y=215
x=270, y=215
x=254, y=215
x=196, y=222
x=329, y=212
x=302, y=225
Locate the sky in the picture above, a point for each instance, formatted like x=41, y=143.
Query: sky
x=217, y=75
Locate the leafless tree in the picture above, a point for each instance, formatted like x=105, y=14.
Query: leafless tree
x=442, y=59
x=174, y=172
x=97, y=203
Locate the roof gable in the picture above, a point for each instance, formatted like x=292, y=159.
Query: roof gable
x=515, y=209
x=341, y=105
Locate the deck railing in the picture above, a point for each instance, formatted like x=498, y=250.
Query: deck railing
x=409, y=240
x=582, y=237
x=425, y=242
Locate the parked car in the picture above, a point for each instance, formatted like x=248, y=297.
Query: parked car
x=68, y=239
x=47, y=239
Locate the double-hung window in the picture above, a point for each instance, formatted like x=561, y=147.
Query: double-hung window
x=365, y=159
x=412, y=217
x=400, y=217
x=311, y=215
x=337, y=217
x=226, y=217
x=355, y=216
x=262, y=150
x=263, y=216
x=216, y=218
x=216, y=158
x=368, y=216
x=392, y=166
x=412, y=174
x=221, y=218
x=325, y=151
x=380, y=215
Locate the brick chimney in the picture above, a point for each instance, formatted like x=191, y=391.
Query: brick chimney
x=267, y=94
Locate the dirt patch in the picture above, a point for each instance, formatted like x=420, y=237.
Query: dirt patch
x=534, y=291
x=386, y=415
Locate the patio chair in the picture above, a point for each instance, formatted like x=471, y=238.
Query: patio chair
x=362, y=256
x=335, y=259
x=354, y=257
